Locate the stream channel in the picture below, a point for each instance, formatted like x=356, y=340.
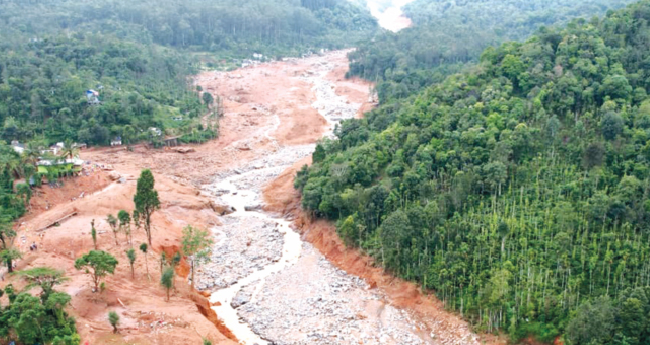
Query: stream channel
x=237, y=191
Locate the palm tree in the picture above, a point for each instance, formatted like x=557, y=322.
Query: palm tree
x=70, y=150
x=32, y=153
x=10, y=164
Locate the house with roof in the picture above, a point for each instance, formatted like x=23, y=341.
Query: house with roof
x=59, y=166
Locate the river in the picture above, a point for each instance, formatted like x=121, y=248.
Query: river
x=268, y=285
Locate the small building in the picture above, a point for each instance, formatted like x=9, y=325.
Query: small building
x=117, y=141
x=93, y=97
x=56, y=148
x=18, y=147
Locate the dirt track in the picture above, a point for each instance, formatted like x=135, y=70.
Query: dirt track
x=269, y=127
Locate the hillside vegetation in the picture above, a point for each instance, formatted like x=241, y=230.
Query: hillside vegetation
x=517, y=190
x=227, y=28
x=43, y=89
x=447, y=34
x=133, y=53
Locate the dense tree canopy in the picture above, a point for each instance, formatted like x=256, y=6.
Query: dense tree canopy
x=447, y=34
x=31, y=320
x=224, y=27
x=517, y=190
x=53, y=51
x=43, y=90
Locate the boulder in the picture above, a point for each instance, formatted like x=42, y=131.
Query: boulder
x=220, y=209
x=240, y=299
x=184, y=150
x=114, y=175
x=251, y=208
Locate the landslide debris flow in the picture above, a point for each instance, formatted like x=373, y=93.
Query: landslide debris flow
x=268, y=285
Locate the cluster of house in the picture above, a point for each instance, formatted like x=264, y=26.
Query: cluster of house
x=56, y=165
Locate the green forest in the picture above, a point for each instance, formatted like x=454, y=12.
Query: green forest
x=136, y=55
x=516, y=190
x=449, y=34
x=43, y=87
x=226, y=28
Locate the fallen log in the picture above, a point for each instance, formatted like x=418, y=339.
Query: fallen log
x=57, y=221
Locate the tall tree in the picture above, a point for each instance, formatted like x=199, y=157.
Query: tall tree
x=45, y=278
x=112, y=222
x=114, y=320
x=69, y=150
x=143, y=248
x=125, y=225
x=196, y=246
x=208, y=99
x=93, y=233
x=146, y=199
x=8, y=253
x=130, y=254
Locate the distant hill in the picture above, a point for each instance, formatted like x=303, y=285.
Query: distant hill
x=223, y=27
x=447, y=34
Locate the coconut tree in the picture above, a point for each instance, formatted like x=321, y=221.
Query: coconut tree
x=32, y=153
x=70, y=150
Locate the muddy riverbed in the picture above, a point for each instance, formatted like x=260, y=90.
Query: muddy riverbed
x=268, y=285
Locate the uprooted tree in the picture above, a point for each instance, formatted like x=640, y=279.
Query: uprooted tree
x=146, y=200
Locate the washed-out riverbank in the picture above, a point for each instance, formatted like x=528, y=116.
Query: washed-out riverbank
x=269, y=286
